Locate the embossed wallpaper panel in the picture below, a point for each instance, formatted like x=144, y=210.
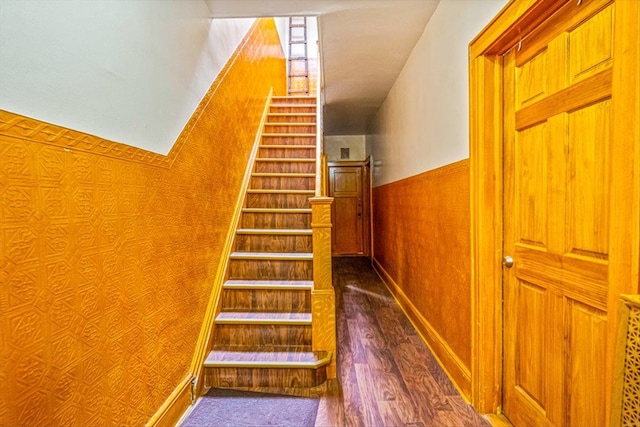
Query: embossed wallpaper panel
x=421, y=231
x=107, y=252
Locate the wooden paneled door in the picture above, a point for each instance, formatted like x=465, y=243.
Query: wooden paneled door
x=557, y=217
x=349, y=186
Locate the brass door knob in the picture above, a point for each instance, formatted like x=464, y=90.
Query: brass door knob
x=507, y=261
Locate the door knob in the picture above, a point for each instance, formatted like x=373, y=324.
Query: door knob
x=507, y=261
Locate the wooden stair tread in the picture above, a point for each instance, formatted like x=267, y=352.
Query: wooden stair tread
x=283, y=175
x=285, y=285
x=284, y=160
x=295, y=147
x=278, y=191
x=293, y=97
x=287, y=134
x=267, y=359
x=289, y=256
x=291, y=114
x=275, y=231
x=278, y=105
x=290, y=124
x=262, y=318
x=278, y=210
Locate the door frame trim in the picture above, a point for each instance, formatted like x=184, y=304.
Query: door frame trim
x=485, y=157
x=517, y=18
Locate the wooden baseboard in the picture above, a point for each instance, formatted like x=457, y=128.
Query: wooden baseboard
x=457, y=372
x=498, y=420
x=172, y=410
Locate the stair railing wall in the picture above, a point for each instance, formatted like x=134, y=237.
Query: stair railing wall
x=323, y=306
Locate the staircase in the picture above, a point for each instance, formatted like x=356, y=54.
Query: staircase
x=262, y=335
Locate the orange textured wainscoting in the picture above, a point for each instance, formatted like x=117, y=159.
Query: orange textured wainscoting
x=108, y=251
x=422, y=251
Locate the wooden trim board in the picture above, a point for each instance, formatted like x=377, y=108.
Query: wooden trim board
x=174, y=407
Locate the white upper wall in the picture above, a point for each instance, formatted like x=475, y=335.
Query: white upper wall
x=281, y=26
x=355, y=143
x=312, y=35
x=127, y=71
x=424, y=122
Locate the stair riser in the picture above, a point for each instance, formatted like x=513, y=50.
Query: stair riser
x=298, y=101
x=278, y=200
x=283, y=183
x=261, y=243
x=262, y=377
x=276, y=220
x=288, y=109
x=270, y=269
x=285, y=167
x=288, y=140
x=266, y=300
x=275, y=128
x=262, y=335
x=291, y=118
x=287, y=153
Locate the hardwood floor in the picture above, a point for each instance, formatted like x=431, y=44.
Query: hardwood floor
x=387, y=376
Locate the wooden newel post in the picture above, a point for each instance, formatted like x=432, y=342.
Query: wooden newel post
x=323, y=301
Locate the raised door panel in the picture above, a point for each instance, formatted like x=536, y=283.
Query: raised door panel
x=587, y=181
x=532, y=81
x=531, y=186
x=348, y=234
x=531, y=332
x=586, y=343
x=591, y=45
x=345, y=181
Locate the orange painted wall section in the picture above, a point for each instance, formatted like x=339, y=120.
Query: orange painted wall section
x=421, y=238
x=108, y=252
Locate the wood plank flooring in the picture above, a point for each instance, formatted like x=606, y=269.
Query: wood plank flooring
x=387, y=376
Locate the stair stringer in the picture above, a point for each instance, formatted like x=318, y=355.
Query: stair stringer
x=205, y=337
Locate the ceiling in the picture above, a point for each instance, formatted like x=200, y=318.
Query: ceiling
x=364, y=44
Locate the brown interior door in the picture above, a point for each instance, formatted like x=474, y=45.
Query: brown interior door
x=557, y=219
x=345, y=186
